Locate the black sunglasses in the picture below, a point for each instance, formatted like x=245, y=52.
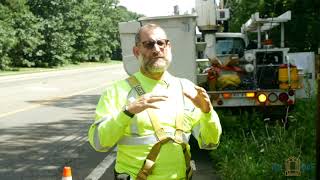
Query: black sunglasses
x=162, y=43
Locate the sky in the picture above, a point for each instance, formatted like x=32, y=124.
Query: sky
x=157, y=7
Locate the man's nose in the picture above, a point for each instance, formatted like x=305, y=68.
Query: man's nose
x=157, y=48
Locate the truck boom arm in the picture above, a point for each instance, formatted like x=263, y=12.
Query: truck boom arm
x=257, y=24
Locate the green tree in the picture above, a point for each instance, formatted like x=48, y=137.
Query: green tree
x=123, y=16
x=57, y=49
x=20, y=26
x=7, y=37
x=26, y=27
x=301, y=32
x=57, y=32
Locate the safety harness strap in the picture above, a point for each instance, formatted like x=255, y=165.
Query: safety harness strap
x=135, y=84
x=161, y=135
x=151, y=159
x=159, y=131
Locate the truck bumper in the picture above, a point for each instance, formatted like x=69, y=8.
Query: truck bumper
x=270, y=97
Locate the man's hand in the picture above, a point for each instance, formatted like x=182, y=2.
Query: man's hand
x=200, y=99
x=144, y=102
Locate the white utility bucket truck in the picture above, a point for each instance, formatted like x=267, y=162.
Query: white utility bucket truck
x=221, y=62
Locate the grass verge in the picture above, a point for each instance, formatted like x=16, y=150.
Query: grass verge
x=252, y=149
x=16, y=71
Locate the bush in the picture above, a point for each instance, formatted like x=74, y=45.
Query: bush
x=250, y=148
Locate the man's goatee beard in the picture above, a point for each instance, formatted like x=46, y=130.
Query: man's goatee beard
x=154, y=69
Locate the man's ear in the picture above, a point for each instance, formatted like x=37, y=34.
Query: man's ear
x=136, y=51
x=169, y=44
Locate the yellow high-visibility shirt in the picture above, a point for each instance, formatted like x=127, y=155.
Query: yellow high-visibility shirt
x=135, y=136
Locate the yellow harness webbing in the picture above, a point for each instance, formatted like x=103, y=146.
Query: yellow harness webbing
x=161, y=135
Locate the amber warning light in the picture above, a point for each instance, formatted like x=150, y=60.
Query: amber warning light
x=250, y=94
x=227, y=95
x=262, y=98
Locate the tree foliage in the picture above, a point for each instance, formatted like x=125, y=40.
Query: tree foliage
x=42, y=33
x=47, y=33
x=302, y=32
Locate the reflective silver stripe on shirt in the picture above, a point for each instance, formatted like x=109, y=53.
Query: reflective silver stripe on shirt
x=132, y=96
x=210, y=146
x=96, y=138
x=150, y=139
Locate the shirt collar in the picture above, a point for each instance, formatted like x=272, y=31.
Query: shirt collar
x=165, y=79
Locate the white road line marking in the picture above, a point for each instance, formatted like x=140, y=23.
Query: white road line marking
x=102, y=167
x=31, y=76
x=47, y=101
x=41, y=88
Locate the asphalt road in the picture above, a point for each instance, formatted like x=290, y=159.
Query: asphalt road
x=44, y=122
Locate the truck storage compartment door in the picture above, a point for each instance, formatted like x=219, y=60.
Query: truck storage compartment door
x=305, y=62
x=181, y=31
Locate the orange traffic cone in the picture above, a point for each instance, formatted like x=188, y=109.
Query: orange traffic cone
x=67, y=175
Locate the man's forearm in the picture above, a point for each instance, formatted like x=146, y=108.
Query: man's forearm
x=107, y=131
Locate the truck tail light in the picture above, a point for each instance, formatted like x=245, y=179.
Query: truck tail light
x=227, y=95
x=290, y=102
x=272, y=97
x=262, y=98
x=283, y=97
x=250, y=94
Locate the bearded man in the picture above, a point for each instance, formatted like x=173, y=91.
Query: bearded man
x=151, y=115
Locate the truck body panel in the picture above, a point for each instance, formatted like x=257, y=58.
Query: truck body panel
x=305, y=62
